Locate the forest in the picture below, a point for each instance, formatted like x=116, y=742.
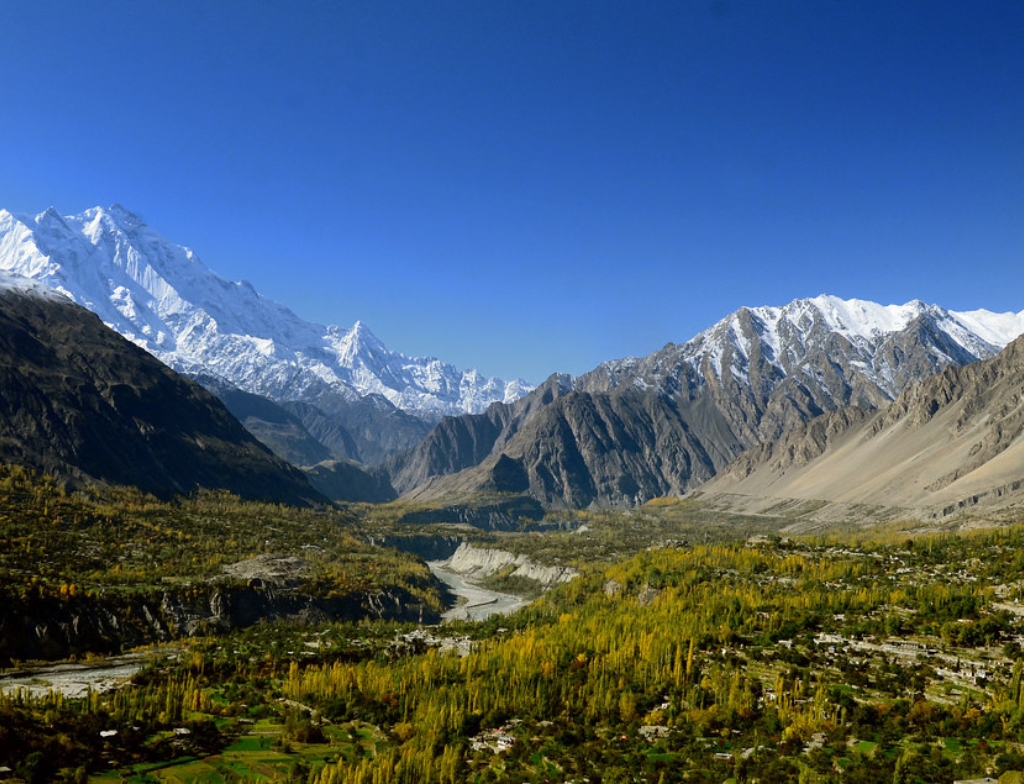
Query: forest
x=887, y=655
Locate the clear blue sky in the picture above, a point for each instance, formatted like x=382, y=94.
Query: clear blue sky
x=530, y=187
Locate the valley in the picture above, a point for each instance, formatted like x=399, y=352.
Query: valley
x=788, y=549
x=475, y=603
x=691, y=646
x=367, y=424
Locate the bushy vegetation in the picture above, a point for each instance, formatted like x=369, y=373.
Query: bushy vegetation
x=188, y=703
x=54, y=543
x=862, y=658
x=813, y=661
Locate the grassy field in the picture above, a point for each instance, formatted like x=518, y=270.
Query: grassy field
x=260, y=753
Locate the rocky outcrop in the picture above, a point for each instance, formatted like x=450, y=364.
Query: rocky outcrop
x=109, y=622
x=619, y=449
x=801, y=445
x=480, y=562
x=459, y=443
x=952, y=443
x=455, y=443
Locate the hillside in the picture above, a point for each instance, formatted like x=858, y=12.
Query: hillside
x=80, y=402
x=950, y=444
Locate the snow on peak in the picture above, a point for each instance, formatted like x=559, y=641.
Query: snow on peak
x=864, y=318
x=361, y=338
x=999, y=329
x=12, y=282
x=861, y=320
x=852, y=334
x=162, y=297
x=849, y=317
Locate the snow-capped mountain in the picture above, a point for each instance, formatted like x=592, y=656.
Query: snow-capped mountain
x=948, y=445
x=637, y=428
x=787, y=334
x=859, y=336
x=163, y=298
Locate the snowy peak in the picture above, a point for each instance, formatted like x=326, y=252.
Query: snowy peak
x=155, y=293
x=869, y=320
x=787, y=336
x=162, y=297
x=360, y=347
x=855, y=316
x=820, y=346
x=640, y=428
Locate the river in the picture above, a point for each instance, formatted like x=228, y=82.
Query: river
x=74, y=679
x=479, y=602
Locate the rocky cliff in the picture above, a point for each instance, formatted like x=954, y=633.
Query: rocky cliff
x=480, y=562
x=110, y=622
x=951, y=443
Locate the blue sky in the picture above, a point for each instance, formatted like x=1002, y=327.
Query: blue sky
x=530, y=187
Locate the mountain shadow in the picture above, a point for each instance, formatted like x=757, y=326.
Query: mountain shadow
x=82, y=403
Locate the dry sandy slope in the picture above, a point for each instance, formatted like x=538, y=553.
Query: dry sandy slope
x=954, y=442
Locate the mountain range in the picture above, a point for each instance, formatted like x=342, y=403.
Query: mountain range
x=626, y=432
x=635, y=429
x=163, y=298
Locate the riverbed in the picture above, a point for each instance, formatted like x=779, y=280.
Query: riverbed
x=75, y=679
x=479, y=602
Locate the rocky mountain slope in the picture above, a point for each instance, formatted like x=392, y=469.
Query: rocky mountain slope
x=951, y=443
x=79, y=401
x=639, y=428
x=163, y=298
